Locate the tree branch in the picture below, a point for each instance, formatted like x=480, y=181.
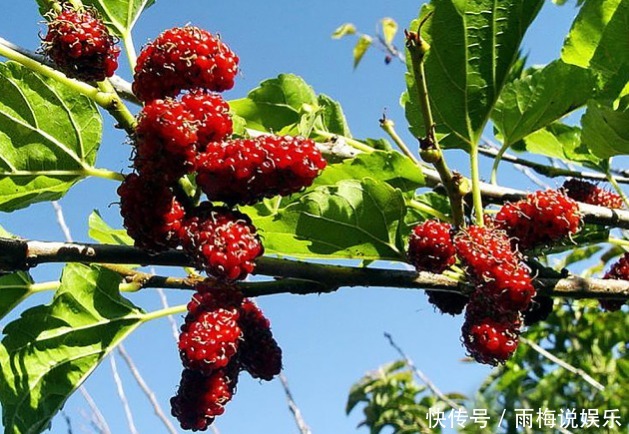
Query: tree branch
x=295, y=277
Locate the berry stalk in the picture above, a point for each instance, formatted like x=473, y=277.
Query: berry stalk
x=431, y=151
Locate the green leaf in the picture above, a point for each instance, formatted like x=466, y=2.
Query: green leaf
x=605, y=130
x=14, y=288
x=361, y=47
x=344, y=30
x=561, y=141
x=103, y=233
x=595, y=40
x=276, y=105
x=332, y=117
x=50, y=350
x=473, y=47
x=389, y=29
x=119, y=15
x=352, y=219
x=531, y=103
x=49, y=137
x=390, y=167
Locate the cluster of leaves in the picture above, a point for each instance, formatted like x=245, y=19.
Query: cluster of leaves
x=590, y=344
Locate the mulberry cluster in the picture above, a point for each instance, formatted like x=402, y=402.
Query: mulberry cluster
x=223, y=334
x=503, y=298
x=184, y=130
x=80, y=44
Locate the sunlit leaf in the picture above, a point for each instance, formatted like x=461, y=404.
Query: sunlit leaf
x=49, y=137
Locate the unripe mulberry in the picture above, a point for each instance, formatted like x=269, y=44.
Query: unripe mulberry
x=79, y=43
x=152, y=214
x=222, y=242
x=430, y=246
x=184, y=58
x=541, y=219
x=244, y=171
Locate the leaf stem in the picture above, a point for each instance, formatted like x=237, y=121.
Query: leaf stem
x=44, y=286
x=497, y=160
x=388, y=126
x=174, y=310
x=477, y=197
x=351, y=142
x=430, y=150
x=127, y=42
x=104, y=174
x=422, y=207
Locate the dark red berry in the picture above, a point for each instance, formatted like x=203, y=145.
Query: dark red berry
x=489, y=341
x=447, y=302
x=211, y=295
x=209, y=340
x=165, y=140
x=430, y=246
x=244, y=171
x=211, y=115
x=201, y=398
x=587, y=192
x=79, y=43
x=540, y=308
x=184, y=58
x=541, y=219
x=259, y=353
x=495, y=268
x=222, y=242
x=152, y=215
x=618, y=271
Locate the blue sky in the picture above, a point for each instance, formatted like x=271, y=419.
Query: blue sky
x=329, y=341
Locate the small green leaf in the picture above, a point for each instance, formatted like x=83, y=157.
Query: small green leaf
x=473, y=46
x=561, y=141
x=390, y=167
x=50, y=350
x=389, y=29
x=276, y=104
x=548, y=94
x=344, y=30
x=352, y=219
x=119, y=15
x=363, y=43
x=605, y=130
x=332, y=116
x=49, y=137
x=14, y=288
x=103, y=233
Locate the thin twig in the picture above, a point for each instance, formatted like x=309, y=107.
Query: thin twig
x=145, y=388
x=61, y=221
x=577, y=371
x=171, y=319
x=99, y=419
x=294, y=409
x=68, y=421
x=422, y=377
x=122, y=395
